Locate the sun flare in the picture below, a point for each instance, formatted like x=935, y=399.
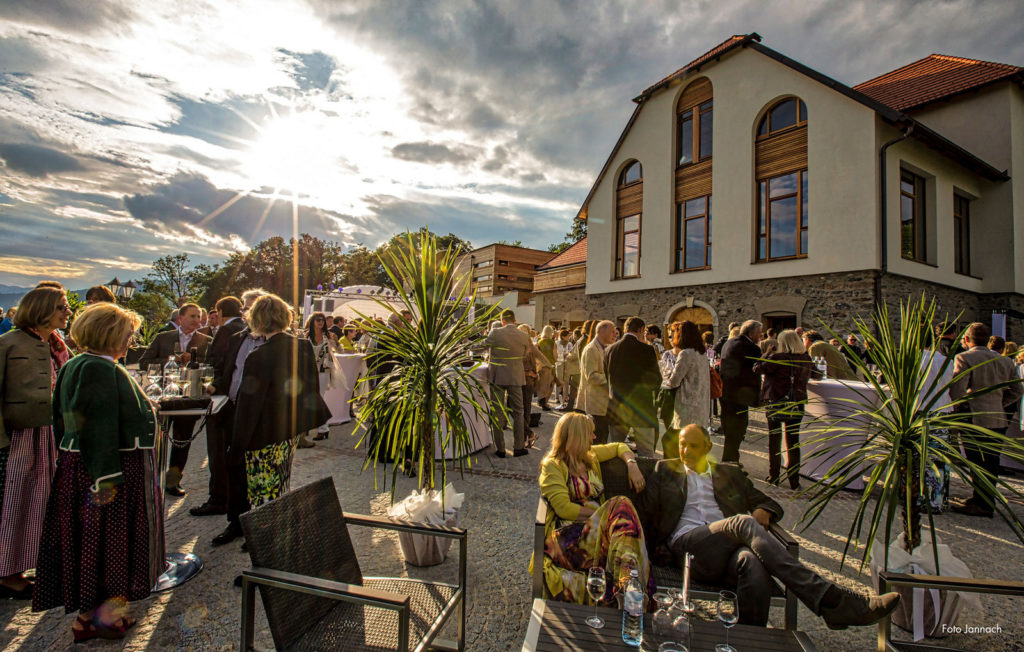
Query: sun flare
x=292, y=155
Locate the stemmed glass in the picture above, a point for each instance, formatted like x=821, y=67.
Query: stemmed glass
x=596, y=585
x=183, y=381
x=662, y=620
x=153, y=373
x=728, y=614
x=206, y=376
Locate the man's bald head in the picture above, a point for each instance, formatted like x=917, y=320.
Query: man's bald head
x=605, y=332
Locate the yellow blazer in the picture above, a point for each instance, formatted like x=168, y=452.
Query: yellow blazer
x=554, y=488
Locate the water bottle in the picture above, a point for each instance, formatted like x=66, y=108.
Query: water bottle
x=823, y=367
x=633, y=611
x=171, y=375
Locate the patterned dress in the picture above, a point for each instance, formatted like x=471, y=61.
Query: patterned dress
x=268, y=471
x=27, y=467
x=611, y=537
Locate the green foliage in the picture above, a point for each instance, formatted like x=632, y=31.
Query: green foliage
x=577, y=232
x=146, y=333
x=423, y=367
x=559, y=248
x=507, y=243
x=152, y=307
x=901, y=431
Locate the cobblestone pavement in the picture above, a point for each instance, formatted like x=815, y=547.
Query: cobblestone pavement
x=501, y=499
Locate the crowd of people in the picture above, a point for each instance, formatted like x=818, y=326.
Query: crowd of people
x=80, y=480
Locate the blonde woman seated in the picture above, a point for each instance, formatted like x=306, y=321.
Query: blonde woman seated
x=583, y=530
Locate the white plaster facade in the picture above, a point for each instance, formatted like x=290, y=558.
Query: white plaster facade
x=843, y=142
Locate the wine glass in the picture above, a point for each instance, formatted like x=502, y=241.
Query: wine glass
x=152, y=389
x=183, y=381
x=662, y=620
x=206, y=376
x=596, y=585
x=728, y=614
x=672, y=646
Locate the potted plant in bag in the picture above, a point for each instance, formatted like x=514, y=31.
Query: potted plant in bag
x=910, y=427
x=420, y=376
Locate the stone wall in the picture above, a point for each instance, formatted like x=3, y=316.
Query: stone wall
x=835, y=299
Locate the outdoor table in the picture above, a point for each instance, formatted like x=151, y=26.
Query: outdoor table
x=181, y=567
x=353, y=366
x=559, y=626
x=479, y=430
x=828, y=402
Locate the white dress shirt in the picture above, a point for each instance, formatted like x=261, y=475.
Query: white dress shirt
x=701, y=507
x=185, y=339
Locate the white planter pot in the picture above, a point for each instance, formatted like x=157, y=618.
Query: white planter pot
x=426, y=550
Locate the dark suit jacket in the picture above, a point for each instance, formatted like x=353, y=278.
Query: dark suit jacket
x=223, y=359
x=633, y=378
x=274, y=406
x=221, y=342
x=739, y=382
x=162, y=346
x=665, y=496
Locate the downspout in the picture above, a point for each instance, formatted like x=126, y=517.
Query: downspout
x=884, y=215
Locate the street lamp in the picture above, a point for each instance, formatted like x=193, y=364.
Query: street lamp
x=119, y=289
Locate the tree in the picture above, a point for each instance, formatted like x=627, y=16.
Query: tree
x=577, y=232
x=516, y=243
x=362, y=267
x=560, y=247
x=172, y=279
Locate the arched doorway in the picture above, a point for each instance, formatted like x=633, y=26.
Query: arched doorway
x=698, y=315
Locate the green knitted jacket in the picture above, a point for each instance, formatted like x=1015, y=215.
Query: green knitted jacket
x=99, y=411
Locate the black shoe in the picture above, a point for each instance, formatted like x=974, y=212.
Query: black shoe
x=176, y=490
x=229, y=534
x=858, y=610
x=544, y=406
x=206, y=509
x=320, y=436
x=500, y=454
x=772, y=480
x=519, y=452
x=970, y=508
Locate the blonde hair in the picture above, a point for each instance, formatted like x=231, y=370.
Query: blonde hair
x=1010, y=349
x=104, y=328
x=524, y=327
x=734, y=332
x=37, y=306
x=547, y=333
x=570, y=442
x=270, y=314
x=790, y=342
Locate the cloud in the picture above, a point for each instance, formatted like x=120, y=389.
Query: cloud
x=311, y=70
x=432, y=153
x=67, y=15
x=36, y=160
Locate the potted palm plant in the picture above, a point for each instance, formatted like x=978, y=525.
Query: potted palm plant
x=910, y=428
x=420, y=375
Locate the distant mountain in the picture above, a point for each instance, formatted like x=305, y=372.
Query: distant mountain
x=10, y=295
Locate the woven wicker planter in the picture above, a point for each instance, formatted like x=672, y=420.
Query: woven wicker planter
x=426, y=550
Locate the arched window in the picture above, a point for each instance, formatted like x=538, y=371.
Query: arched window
x=787, y=113
x=633, y=173
x=782, y=181
x=629, y=202
x=694, y=131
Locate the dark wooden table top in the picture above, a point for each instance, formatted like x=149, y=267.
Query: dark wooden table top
x=559, y=626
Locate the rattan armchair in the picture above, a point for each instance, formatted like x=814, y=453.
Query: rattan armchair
x=314, y=593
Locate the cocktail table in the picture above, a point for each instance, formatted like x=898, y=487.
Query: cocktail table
x=558, y=626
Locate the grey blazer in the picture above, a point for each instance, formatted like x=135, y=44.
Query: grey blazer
x=988, y=407
x=593, y=394
x=508, y=346
x=25, y=394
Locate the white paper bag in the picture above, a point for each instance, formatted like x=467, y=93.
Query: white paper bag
x=426, y=507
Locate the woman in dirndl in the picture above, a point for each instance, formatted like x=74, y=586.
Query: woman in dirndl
x=102, y=543
x=278, y=401
x=30, y=357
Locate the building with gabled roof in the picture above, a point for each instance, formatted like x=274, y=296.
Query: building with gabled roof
x=825, y=199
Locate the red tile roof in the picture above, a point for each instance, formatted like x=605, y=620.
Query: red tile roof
x=720, y=49
x=933, y=78
x=572, y=256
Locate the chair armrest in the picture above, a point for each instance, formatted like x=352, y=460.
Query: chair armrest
x=326, y=588
x=785, y=539
x=542, y=512
x=388, y=523
x=538, y=548
x=966, y=584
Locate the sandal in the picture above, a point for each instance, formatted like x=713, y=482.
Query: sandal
x=84, y=630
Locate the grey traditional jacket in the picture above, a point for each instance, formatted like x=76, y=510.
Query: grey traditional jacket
x=25, y=392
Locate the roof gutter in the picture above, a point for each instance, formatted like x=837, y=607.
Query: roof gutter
x=884, y=216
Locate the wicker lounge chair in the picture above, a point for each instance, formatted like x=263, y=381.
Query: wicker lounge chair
x=314, y=593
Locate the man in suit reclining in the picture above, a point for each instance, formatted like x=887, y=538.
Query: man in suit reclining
x=713, y=512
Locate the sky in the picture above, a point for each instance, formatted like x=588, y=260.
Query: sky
x=132, y=130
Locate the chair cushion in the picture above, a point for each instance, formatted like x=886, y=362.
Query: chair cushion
x=356, y=627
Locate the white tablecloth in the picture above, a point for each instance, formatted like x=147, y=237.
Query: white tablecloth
x=825, y=406
x=477, y=424
x=353, y=367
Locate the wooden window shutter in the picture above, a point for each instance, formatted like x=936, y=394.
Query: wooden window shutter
x=782, y=153
x=629, y=200
x=693, y=181
x=696, y=93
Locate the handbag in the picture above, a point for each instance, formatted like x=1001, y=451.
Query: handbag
x=667, y=404
x=716, y=384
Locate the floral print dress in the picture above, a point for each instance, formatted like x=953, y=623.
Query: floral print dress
x=268, y=471
x=611, y=537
